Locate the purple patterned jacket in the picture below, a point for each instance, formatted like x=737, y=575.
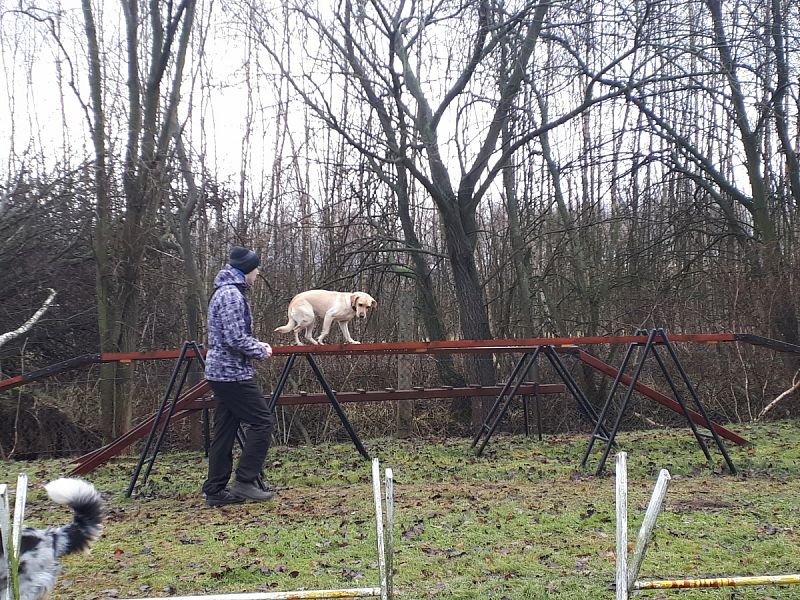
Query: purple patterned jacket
x=231, y=344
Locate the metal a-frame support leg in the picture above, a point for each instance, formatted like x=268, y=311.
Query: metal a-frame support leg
x=679, y=398
x=337, y=407
x=649, y=345
x=328, y=392
x=281, y=383
x=513, y=384
x=503, y=400
x=162, y=420
x=572, y=386
x=525, y=411
x=700, y=408
x=609, y=439
x=206, y=431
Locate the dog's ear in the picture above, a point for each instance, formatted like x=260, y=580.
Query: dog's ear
x=353, y=300
x=374, y=303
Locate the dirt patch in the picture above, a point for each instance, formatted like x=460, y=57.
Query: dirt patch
x=688, y=505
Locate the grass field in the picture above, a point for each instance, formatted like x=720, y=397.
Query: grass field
x=521, y=522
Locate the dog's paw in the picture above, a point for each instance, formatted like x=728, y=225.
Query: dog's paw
x=353, y=342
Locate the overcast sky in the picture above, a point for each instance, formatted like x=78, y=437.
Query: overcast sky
x=43, y=115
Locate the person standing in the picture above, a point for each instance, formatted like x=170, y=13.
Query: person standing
x=231, y=348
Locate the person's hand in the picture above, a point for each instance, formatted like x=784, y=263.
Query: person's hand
x=267, y=349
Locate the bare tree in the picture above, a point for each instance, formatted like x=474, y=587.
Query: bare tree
x=120, y=244
x=401, y=98
x=738, y=112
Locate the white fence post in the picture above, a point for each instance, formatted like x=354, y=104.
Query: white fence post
x=626, y=576
x=390, y=533
x=11, y=540
x=622, y=526
x=376, y=489
x=646, y=531
x=5, y=547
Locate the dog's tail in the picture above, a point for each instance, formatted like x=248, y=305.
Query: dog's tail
x=89, y=508
x=288, y=327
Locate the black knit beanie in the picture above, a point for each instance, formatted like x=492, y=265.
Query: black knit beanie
x=244, y=259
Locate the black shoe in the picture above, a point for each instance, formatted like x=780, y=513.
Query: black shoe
x=222, y=498
x=251, y=491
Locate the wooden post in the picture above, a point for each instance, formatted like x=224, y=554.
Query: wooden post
x=5, y=547
x=390, y=533
x=405, y=329
x=376, y=491
x=649, y=523
x=622, y=526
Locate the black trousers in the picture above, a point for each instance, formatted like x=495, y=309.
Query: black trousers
x=238, y=402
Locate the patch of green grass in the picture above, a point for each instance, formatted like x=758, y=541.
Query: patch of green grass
x=523, y=521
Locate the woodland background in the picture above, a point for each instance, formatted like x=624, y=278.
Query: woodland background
x=506, y=168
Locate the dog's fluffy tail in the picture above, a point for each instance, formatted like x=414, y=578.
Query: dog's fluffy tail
x=89, y=508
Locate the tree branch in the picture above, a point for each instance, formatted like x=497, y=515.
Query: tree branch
x=7, y=337
x=771, y=405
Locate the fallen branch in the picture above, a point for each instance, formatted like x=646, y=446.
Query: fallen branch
x=771, y=405
x=7, y=337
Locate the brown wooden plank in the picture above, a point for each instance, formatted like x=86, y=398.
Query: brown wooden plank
x=90, y=461
x=671, y=404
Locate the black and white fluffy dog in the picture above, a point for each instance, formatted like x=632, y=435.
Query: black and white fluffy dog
x=41, y=549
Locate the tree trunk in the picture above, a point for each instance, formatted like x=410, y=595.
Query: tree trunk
x=429, y=309
x=472, y=309
x=120, y=254
x=103, y=234
x=783, y=314
x=518, y=253
x=193, y=302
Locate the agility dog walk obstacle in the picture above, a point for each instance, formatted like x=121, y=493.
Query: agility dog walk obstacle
x=384, y=526
x=10, y=537
x=627, y=571
x=177, y=404
x=443, y=347
x=197, y=397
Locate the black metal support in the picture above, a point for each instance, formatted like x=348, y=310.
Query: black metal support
x=609, y=439
x=284, y=377
x=561, y=370
x=281, y=383
x=206, y=431
x=601, y=417
x=700, y=408
x=163, y=418
x=503, y=400
x=679, y=397
x=525, y=411
x=655, y=337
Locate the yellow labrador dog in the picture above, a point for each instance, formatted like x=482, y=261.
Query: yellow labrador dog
x=341, y=307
